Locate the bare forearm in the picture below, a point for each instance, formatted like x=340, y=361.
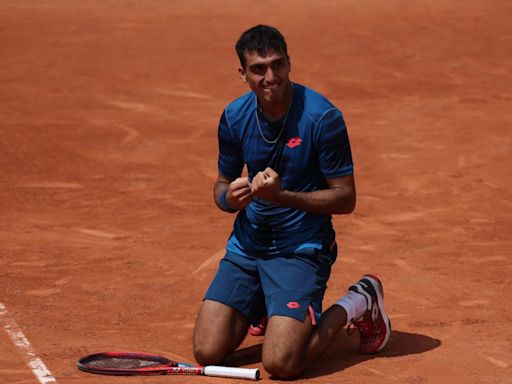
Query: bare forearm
x=338, y=197
x=232, y=196
x=219, y=188
x=326, y=201
x=220, y=191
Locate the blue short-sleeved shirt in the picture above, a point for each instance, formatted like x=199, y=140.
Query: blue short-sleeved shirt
x=313, y=147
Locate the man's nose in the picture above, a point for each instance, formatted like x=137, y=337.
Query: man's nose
x=270, y=75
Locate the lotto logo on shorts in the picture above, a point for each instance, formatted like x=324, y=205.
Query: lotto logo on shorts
x=293, y=305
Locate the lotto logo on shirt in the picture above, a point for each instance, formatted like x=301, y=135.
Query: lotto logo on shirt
x=294, y=142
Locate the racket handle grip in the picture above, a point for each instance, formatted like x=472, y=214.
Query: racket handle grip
x=238, y=373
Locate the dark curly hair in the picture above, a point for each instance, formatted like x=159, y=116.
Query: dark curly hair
x=260, y=39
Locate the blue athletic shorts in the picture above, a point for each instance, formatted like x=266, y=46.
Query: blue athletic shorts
x=287, y=285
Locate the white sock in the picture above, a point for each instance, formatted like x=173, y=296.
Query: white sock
x=354, y=304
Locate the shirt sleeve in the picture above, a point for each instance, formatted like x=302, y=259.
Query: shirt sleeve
x=230, y=160
x=335, y=156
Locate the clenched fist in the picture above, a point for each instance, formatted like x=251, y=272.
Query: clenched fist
x=266, y=185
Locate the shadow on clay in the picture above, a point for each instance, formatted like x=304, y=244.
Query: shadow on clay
x=343, y=353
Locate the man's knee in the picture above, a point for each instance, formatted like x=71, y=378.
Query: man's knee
x=208, y=348
x=219, y=330
x=282, y=365
x=206, y=354
x=285, y=346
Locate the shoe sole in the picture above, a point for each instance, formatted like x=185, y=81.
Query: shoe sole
x=255, y=331
x=379, y=291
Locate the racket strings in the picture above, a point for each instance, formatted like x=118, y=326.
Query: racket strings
x=123, y=363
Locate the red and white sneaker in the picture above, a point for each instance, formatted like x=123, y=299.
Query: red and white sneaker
x=374, y=326
x=259, y=330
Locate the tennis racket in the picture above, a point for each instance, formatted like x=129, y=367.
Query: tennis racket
x=132, y=363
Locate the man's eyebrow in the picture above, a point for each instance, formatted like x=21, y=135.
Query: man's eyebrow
x=265, y=64
x=256, y=66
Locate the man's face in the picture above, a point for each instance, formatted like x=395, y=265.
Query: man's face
x=267, y=75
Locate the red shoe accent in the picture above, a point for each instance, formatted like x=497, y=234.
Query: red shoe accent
x=374, y=326
x=259, y=330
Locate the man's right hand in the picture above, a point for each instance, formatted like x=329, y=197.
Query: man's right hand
x=239, y=193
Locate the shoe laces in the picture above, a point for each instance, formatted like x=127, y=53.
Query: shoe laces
x=364, y=325
x=351, y=329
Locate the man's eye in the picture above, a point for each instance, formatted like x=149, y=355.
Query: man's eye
x=258, y=69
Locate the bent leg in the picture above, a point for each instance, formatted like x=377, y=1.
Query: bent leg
x=218, y=331
x=291, y=346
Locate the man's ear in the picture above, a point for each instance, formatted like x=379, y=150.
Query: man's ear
x=243, y=75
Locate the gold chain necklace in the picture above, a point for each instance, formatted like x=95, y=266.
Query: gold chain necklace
x=282, y=126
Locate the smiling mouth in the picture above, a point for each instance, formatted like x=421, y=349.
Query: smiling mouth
x=271, y=87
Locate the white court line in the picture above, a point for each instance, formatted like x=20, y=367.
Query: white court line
x=18, y=338
x=215, y=258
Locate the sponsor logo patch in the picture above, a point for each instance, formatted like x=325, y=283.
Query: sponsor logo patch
x=293, y=305
x=294, y=142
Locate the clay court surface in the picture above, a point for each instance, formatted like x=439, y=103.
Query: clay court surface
x=108, y=232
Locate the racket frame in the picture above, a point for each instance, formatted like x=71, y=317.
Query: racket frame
x=167, y=367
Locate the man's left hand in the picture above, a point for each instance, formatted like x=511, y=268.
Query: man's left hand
x=266, y=185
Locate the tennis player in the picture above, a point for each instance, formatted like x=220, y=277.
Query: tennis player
x=278, y=258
